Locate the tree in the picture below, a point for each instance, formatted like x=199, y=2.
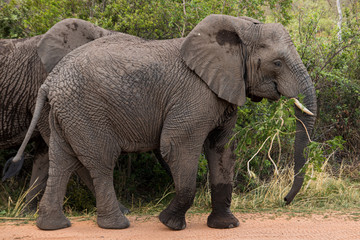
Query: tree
x=338, y=4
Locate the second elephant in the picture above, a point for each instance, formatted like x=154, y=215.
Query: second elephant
x=21, y=74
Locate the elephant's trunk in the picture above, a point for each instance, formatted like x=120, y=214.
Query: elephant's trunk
x=307, y=90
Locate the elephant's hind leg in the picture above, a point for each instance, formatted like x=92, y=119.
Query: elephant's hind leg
x=108, y=211
x=99, y=156
x=85, y=176
x=61, y=166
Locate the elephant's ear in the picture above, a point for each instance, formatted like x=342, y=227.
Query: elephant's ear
x=216, y=50
x=64, y=37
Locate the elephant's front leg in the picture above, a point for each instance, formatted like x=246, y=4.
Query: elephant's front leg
x=221, y=162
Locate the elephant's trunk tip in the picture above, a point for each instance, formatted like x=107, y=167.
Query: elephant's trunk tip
x=288, y=199
x=298, y=181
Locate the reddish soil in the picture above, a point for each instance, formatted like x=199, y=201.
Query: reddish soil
x=252, y=226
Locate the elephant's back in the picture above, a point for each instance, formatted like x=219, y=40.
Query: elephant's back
x=21, y=74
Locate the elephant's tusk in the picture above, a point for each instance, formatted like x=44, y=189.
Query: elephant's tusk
x=302, y=107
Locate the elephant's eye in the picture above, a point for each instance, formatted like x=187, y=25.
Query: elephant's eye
x=278, y=63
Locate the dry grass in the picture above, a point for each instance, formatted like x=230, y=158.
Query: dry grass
x=15, y=209
x=322, y=192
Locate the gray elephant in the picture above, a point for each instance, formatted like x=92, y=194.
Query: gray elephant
x=114, y=95
x=21, y=75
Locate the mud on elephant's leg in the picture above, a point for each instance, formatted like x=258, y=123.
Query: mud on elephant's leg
x=221, y=162
x=221, y=216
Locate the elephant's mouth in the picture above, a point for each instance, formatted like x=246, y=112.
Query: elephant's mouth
x=255, y=98
x=274, y=94
x=271, y=94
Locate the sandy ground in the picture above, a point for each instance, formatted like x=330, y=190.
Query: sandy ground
x=252, y=226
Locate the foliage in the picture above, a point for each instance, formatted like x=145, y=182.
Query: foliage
x=15, y=207
x=334, y=67
x=139, y=178
x=9, y=16
x=319, y=153
x=150, y=19
x=264, y=132
x=324, y=192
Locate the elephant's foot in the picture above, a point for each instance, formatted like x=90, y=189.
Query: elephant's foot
x=224, y=220
x=52, y=221
x=114, y=221
x=173, y=221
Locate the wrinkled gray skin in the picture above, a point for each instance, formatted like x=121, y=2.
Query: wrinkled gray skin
x=113, y=96
x=21, y=75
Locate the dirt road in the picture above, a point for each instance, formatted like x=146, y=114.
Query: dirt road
x=252, y=226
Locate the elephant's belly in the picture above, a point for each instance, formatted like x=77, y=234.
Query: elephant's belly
x=7, y=140
x=138, y=147
x=140, y=139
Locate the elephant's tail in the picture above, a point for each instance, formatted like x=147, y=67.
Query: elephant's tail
x=13, y=165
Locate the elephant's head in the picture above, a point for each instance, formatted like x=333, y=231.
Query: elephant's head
x=241, y=57
x=64, y=37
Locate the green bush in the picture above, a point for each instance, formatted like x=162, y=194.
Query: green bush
x=9, y=21
x=334, y=67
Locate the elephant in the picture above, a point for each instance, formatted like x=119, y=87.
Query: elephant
x=114, y=95
x=21, y=75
